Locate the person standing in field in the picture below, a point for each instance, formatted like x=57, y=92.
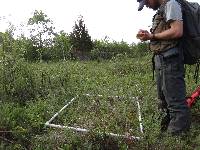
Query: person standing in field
x=164, y=36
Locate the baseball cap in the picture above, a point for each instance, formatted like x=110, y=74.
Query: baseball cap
x=141, y=4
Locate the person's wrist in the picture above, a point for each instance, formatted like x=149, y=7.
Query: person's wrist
x=153, y=37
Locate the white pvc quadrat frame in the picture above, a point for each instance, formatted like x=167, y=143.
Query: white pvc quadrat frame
x=49, y=124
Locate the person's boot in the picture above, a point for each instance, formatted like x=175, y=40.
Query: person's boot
x=164, y=114
x=164, y=123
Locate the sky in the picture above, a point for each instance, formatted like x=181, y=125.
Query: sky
x=117, y=19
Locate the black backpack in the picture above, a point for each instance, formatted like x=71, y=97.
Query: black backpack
x=190, y=42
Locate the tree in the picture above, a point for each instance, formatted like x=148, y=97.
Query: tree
x=80, y=39
x=41, y=31
x=26, y=49
x=6, y=39
x=62, y=46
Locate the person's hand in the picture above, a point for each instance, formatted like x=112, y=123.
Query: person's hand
x=144, y=35
x=141, y=33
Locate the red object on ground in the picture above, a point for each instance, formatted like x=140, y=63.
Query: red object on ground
x=192, y=98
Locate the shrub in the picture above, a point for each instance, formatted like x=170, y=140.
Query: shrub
x=16, y=80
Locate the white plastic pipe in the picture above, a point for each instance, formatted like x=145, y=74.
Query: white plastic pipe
x=140, y=117
x=66, y=127
x=86, y=131
x=54, y=116
x=111, y=96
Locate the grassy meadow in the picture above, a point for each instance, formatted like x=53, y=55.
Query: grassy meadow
x=31, y=93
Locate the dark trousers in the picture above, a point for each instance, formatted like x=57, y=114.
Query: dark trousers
x=171, y=89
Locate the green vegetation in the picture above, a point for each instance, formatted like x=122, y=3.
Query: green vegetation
x=32, y=92
x=37, y=80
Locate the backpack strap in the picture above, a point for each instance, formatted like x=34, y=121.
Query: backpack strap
x=153, y=65
x=161, y=10
x=161, y=13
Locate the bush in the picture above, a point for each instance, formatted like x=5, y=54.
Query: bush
x=107, y=50
x=141, y=49
x=16, y=80
x=62, y=47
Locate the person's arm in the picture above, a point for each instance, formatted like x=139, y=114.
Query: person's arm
x=174, y=32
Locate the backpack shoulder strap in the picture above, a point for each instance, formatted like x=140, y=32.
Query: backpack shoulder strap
x=161, y=9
